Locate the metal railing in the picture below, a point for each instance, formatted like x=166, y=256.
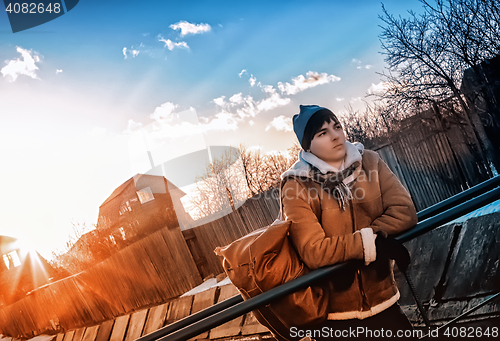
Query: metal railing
x=459, y=198
x=429, y=219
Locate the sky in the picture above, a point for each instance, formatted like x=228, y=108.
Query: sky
x=83, y=97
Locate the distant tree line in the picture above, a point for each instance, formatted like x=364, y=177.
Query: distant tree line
x=240, y=173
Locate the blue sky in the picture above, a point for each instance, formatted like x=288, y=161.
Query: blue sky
x=73, y=91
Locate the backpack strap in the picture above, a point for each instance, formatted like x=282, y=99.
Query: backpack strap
x=314, y=201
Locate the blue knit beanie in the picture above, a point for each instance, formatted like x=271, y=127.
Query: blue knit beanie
x=300, y=120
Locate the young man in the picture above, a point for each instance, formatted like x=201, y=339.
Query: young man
x=362, y=202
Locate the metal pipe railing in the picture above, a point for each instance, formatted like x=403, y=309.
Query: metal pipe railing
x=468, y=312
x=234, y=307
x=459, y=198
x=188, y=320
x=450, y=214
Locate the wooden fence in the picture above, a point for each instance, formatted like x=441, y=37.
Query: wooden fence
x=256, y=212
x=148, y=272
x=432, y=162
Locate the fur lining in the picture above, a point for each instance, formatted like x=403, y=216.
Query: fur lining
x=302, y=167
x=369, y=248
x=348, y=315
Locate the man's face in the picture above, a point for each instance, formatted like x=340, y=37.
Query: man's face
x=329, y=144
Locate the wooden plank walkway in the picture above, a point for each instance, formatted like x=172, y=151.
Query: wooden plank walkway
x=132, y=326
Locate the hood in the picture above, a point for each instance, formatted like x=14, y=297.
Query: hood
x=302, y=167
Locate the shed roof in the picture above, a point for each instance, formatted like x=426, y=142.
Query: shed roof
x=130, y=181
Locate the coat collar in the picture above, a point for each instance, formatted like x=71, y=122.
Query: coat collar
x=303, y=166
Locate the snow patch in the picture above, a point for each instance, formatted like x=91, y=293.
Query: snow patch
x=208, y=284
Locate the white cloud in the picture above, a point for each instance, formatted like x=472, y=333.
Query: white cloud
x=281, y=123
x=171, y=45
x=244, y=107
x=301, y=83
x=273, y=101
x=188, y=28
x=358, y=63
x=126, y=52
x=236, y=99
x=170, y=124
x=222, y=121
x=252, y=80
x=378, y=88
x=220, y=101
x=164, y=112
x=26, y=66
x=58, y=71
x=339, y=99
x=170, y=134
x=132, y=127
x=249, y=107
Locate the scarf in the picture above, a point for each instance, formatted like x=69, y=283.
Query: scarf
x=336, y=182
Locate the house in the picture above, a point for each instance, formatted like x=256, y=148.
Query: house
x=21, y=270
x=140, y=206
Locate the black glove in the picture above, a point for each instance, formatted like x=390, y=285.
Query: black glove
x=342, y=279
x=388, y=247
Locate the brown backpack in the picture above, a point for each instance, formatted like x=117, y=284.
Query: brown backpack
x=266, y=258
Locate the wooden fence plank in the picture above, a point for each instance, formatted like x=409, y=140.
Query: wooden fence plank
x=136, y=325
x=104, y=332
x=68, y=336
x=156, y=318
x=119, y=328
x=79, y=334
x=179, y=309
x=201, y=301
x=232, y=327
x=91, y=333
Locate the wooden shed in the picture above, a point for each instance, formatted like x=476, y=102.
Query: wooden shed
x=140, y=206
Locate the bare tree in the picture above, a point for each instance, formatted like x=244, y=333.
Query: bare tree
x=237, y=175
x=293, y=152
x=253, y=162
x=222, y=185
x=373, y=121
x=85, y=247
x=275, y=164
x=428, y=53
